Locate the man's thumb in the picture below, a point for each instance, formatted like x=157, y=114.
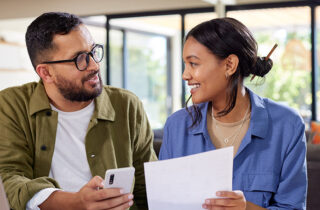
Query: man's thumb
x=95, y=182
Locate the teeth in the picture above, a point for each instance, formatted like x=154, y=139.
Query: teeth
x=194, y=86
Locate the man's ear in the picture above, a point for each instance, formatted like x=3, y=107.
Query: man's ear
x=232, y=62
x=44, y=73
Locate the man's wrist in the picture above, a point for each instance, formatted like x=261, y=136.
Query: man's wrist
x=39, y=198
x=60, y=200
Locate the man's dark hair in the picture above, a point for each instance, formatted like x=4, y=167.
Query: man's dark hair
x=40, y=33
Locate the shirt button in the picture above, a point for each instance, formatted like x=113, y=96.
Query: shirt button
x=43, y=148
x=48, y=113
x=92, y=156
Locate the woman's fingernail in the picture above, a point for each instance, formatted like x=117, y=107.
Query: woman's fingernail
x=204, y=206
x=121, y=191
x=130, y=203
x=207, y=201
x=130, y=196
x=218, y=193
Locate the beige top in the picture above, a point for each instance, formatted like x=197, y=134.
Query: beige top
x=227, y=134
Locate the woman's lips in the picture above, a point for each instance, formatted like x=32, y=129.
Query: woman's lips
x=194, y=88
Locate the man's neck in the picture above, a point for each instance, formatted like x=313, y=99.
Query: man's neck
x=63, y=104
x=69, y=106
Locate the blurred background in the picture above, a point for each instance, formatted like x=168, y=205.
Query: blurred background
x=143, y=42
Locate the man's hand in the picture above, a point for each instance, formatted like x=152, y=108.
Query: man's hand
x=90, y=197
x=230, y=200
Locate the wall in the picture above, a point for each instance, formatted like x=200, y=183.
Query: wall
x=15, y=9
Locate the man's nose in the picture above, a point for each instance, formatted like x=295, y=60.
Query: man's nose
x=92, y=65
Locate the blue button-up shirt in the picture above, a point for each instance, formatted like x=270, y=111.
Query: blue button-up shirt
x=270, y=165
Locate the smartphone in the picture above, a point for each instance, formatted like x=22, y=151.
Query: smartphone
x=119, y=178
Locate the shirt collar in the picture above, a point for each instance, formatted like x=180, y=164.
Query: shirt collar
x=201, y=127
x=259, y=117
x=104, y=108
x=39, y=101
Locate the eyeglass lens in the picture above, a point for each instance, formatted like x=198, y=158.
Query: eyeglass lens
x=83, y=59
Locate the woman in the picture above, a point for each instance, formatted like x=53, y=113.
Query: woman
x=268, y=138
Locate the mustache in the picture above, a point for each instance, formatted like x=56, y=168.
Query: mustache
x=89, y=76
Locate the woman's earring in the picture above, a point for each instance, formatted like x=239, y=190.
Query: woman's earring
x=227, y=75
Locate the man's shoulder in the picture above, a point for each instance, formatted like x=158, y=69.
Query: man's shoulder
x=120, y=93
x=15, y=101
x=13, y=93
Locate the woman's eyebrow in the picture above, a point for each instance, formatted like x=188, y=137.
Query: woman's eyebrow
x=192, y=56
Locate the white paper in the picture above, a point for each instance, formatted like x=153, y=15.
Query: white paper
x=185, y=183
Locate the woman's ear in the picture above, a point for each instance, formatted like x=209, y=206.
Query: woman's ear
x=44, y=73
x=232, y=62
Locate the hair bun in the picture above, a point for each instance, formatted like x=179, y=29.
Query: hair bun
x=262, y=67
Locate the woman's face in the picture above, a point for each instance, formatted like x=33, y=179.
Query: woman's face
x=204, y=72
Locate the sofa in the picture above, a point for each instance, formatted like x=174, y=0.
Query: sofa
x=313, y=168
x=158, y=134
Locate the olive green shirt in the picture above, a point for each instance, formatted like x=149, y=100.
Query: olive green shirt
x=118, y=135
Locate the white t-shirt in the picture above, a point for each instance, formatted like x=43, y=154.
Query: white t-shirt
x=69, y=166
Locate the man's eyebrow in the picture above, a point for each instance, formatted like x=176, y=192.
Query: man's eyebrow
x=77, y=53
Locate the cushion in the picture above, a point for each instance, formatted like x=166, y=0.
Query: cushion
x=315, y=129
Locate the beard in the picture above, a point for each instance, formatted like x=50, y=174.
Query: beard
x=73, y=92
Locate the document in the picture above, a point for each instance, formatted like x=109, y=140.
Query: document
x=185, y=183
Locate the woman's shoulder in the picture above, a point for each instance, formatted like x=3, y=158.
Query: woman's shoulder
x=283, y=110
x=181, y=113
x=177, y=119
x=277, y=110
x=184, y=114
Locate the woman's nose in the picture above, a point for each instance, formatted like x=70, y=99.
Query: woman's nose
x=186, y=75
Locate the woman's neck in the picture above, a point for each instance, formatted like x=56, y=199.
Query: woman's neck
x=239, y=110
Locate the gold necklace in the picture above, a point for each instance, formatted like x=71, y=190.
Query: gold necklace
x=237, y=132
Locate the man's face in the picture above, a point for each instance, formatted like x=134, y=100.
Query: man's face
x=72, y=84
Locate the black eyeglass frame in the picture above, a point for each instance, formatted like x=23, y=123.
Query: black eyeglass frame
x=75, y=59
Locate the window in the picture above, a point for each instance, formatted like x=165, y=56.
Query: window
x=196, y=18
x=289, y=81
x=15, y=65
x=96, y=26
x=141, y=54
x=318, y=59
x=116, y=47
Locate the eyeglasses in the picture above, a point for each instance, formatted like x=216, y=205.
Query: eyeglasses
x=82, y=59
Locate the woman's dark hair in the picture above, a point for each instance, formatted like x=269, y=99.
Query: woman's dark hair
x=223, y=37
x=40, y=33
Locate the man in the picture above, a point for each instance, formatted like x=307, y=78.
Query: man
x=68, y=129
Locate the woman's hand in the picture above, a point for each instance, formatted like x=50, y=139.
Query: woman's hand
x=229, y=200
